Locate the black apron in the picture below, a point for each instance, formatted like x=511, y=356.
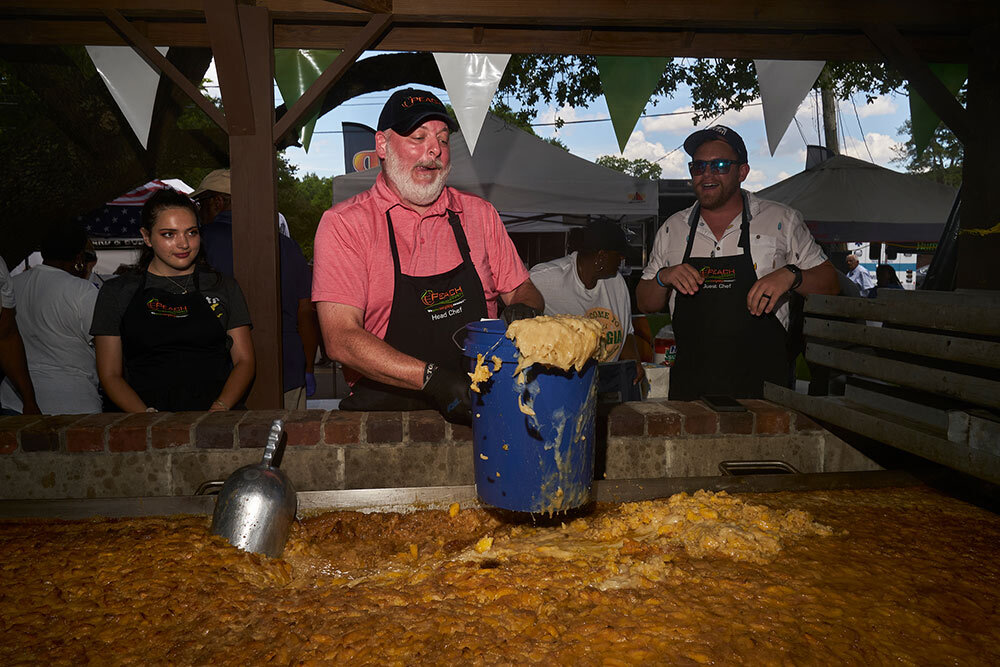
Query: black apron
x=174, y=349
x=721, y=347
x=426, y=312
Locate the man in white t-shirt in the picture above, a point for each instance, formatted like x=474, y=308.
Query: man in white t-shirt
x=12, y=358
x=54, y=315
x=587, y=282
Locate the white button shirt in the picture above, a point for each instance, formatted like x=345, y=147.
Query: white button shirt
x=778, y=236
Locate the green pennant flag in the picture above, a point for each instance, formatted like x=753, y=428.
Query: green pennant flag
x=628, y=83
x=294, y=71
x=923, y=121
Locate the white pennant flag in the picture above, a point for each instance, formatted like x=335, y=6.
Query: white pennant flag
x=471, y=79
x=132, y=83
x=783, y=86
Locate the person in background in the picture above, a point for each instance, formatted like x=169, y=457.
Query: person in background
x=587, y=282
x=56, y=307
x=886, y=278
x=727, y=266
x=403, y=266
x=859, y=275
x=299, y=330
x=13, y=362
x=173, y=335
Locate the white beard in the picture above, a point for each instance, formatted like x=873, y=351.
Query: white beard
x=402, y=179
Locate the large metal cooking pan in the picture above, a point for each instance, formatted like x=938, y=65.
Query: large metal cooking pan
x=440, y=497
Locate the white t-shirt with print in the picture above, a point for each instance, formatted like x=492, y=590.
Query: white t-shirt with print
x=54, y=311
x=778, y=236
x=608, y=302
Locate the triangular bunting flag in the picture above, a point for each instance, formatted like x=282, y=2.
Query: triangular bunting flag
x=294, y=71
x=471, y=80
x=783, y=86
x=132, y=83
x=628, y=84
x=923, y=121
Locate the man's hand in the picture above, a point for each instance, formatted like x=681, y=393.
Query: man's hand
x=518, y=311
x=449, y=391
x=765, y=293
x=684, y=278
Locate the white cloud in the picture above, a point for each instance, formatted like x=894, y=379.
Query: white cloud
x=880, y=106
x=679, y=123
x=880, y=145
x=550, y=114
x=782, y=175
x=756, y=180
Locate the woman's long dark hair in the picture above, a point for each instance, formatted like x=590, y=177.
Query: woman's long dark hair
x=162, y=200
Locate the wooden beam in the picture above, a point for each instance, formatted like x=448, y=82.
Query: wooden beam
x=145, y=48
x=901, y=55
x=937, y=346
x=255, y=218
x=909, y=309
x=968, y=388
x=677, y=42
x=307, y=104
x=370, y=6
x=230, y=64
x=899, y=432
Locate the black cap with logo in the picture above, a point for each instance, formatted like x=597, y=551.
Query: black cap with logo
x=717, y=133
x=410, y=108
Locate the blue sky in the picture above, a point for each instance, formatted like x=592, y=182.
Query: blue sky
x=869, y=132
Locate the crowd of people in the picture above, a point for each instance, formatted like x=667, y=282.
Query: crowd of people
x=398, y=270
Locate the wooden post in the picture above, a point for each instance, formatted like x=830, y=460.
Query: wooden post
x=979, y=237
x=255, y=226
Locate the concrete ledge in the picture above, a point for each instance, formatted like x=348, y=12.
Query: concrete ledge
x=115, y=455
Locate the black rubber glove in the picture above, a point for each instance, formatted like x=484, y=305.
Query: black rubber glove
x=518, y=311
x=449, y=391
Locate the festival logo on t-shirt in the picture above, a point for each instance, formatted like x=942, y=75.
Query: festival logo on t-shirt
x=440, y=305
x=611, y=340
x=157, y=307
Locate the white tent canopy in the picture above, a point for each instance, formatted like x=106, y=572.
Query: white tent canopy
x=522, y=174
x=845, y=199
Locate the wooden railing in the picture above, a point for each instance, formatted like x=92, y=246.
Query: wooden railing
x=919, y=371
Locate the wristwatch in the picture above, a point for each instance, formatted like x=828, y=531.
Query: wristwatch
x=798, y=276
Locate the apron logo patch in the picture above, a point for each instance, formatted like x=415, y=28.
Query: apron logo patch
x=440, y=305
x=157, y=307
x=717, y=278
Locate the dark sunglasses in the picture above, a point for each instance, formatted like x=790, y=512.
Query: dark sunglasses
x=698, y=167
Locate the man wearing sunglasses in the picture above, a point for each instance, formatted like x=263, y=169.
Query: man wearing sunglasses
x=727, y=266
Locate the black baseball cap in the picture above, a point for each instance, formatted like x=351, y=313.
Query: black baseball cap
x=410, y=108
x=604, y=236
x=717, y=133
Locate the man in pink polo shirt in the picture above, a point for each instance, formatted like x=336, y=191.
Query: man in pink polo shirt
x=402, y=267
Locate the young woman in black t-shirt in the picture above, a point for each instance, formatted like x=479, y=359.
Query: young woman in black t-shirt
x=173, y=335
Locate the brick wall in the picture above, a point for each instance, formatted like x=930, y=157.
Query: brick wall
x=173, y=453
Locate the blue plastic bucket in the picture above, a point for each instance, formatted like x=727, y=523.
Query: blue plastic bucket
x=540, y=463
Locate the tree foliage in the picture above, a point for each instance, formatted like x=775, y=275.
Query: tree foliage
x=302, y=201
x=639, y=167
x=941, y=161
x=716, y=85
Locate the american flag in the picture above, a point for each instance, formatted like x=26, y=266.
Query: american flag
x=119, y=218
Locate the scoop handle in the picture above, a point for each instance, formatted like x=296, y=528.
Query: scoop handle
x=274, y=445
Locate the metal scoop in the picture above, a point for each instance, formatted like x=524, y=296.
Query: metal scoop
x=257, y=504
